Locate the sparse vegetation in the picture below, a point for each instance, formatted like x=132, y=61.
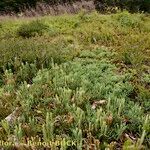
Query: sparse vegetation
x=83, y=77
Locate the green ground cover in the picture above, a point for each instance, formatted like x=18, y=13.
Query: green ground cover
x=83, y=77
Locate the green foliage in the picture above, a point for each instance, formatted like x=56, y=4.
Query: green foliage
x=86, y=79
x=18, y=132
x=6, y=126
x=126, y=19
x=97, y=79
x=18, y=56
x=143, y=97
x=77, y=133
x=48, y=127
x=32, y=29
x=129, y=144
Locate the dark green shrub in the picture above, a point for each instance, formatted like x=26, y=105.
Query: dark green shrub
x=32, y=29
x=15, y=5
x=131, y=5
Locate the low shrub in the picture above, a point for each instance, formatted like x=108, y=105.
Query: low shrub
x=127, y=19
x=24, y=57
x=31, y=29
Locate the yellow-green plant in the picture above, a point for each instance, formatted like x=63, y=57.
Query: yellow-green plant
x=18, y=132
x=77, y=133
x=48, y=127
x=6, y=126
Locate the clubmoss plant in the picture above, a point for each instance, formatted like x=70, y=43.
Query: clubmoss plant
x=48, y=127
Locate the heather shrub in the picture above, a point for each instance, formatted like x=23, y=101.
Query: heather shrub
x=32, y=29
x=126, y=19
